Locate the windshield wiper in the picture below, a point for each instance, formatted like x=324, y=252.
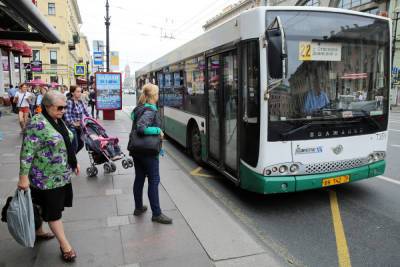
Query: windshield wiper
x=367, y=116
x=363, y=111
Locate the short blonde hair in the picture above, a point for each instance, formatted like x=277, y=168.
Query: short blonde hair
x=149, y=91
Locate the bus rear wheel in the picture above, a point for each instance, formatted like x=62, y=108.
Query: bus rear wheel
x=195, y=143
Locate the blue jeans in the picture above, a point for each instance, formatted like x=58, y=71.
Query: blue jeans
x=147, y=166
x=77, y=143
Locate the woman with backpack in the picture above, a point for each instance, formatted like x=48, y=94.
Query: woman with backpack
x=147, y=122
x=76, y=111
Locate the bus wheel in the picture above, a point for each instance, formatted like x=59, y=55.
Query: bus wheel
x=195, y=144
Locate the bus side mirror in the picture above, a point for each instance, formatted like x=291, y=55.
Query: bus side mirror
x=276, y=50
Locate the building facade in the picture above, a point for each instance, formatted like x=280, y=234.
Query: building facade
x=58, y=60
x=19, y=22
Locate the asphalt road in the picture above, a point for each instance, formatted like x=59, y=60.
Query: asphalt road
x=301, y=227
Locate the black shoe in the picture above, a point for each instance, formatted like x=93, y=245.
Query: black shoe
x=138, y=212
x=161, y=219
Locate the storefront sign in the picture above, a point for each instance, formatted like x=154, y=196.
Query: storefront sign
x=36, y=66
x=109, y=90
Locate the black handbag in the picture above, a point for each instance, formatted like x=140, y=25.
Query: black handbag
x=144, y=144
x=149, y=145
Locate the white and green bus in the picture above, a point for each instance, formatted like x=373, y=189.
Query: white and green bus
x=281, y=99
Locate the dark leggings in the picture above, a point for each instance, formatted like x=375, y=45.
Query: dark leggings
x=77, y=142
x=92, y=111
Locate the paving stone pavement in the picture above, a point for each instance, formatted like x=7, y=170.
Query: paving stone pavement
x=100, y=225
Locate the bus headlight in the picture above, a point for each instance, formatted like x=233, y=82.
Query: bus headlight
x=283, y=169
x=376, y=156
x=294, y=168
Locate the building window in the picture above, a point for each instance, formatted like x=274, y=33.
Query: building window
x=352, y=3
x=54, y=79
x=313, y=3
x=53, y=56
x=52, y=8
x=36, y=55
x=374, y=11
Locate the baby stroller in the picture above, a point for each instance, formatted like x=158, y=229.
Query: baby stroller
x=102, y=148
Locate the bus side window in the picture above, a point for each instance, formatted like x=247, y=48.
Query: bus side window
x=250, y=134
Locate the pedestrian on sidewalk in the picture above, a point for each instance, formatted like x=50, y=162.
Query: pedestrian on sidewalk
x=146, y=120
x=23, y=99
x=47, y=161
x=92, y=101
x=39, y=98
x=11, y=93
x=76, y=111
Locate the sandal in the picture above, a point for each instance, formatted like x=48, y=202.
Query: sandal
x=68, y=256
x=45, y=236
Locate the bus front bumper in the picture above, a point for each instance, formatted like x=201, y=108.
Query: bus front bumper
x=256, y=182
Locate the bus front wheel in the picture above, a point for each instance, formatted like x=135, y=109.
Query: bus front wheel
x=195, y=143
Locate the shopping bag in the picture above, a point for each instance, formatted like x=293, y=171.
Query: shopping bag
x=20, y=218
x=36, y=212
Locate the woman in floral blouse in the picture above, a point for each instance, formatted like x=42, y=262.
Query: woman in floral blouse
x=46, y=165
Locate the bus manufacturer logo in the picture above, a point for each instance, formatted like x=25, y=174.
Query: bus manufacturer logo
x=338, y=149
x=308, y=150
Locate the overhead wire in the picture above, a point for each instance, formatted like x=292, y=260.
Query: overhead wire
x=205, y=17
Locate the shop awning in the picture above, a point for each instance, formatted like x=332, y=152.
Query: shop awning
x=22, y=20
x=81, y=81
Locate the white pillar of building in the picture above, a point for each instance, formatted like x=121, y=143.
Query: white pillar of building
x=12, y=68
x=2, y=91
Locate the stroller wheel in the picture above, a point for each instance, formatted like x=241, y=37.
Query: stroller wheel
x=130, y=162
x=107, y=167
x=125, y=164
x=91, y=171
x=113, y=167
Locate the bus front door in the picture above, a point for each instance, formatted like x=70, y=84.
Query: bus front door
x=223, y=111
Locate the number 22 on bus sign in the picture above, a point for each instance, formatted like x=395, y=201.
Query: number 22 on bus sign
x=304, y=51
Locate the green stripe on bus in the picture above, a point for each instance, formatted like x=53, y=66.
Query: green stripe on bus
x=176, y=130
x=256, y=182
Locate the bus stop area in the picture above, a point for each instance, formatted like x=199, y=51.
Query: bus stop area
x=104, y=232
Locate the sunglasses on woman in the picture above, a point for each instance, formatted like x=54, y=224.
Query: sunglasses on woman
x=61, y=108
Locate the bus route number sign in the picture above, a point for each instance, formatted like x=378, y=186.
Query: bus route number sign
x=312, y=51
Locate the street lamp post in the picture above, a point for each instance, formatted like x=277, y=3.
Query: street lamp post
x=87, y=75
x=394, y=41
x=107, y=23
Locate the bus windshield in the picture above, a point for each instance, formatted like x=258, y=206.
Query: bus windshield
x=337, y=68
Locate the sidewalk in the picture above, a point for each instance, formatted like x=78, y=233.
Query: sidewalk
x=395, y=109
x=104, y=232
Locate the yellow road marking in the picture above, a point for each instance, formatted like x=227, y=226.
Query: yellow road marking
x=196, y=172
x=341, y=243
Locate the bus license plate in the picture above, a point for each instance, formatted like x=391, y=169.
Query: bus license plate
x=336, y=180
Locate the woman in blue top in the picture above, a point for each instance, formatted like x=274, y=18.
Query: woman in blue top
x=148, y=122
